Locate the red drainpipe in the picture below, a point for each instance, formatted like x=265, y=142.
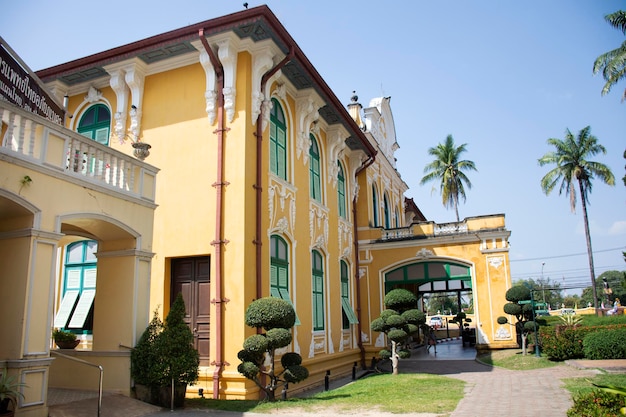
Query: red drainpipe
x=259, y=174
x=364, y=166
x=219, y=241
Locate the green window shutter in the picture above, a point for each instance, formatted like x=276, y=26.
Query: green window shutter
x=285, y=296
x=273, y=150
x=347, y=308
x=318, y=291
x=282, y=278
x=282, y=155
x=341, y=191
x=314, y=171
x=273, y=276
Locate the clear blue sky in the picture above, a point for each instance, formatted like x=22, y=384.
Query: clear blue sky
x=501, y=76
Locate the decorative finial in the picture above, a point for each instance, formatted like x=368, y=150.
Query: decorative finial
x=354, y=97
x=245, y=5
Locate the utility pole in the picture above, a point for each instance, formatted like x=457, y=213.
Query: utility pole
x=543, y=290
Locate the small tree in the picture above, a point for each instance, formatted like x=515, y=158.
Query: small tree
x=519, y=305
x=399, y=322
x=143, y=358
x=276, y=317
x=178, y=359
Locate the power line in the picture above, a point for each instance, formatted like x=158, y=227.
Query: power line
x=565, y=256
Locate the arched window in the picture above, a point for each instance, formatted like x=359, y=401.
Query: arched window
x=347, y=313
x=278, y=141
x=341, y=191
x=315, y=183
x=279, y=270
x=387, y=214
x=75, y=312
x=374, y=205
x=95, y=123
x=318, y=290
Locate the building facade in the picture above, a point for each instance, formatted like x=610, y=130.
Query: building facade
x=268, y=186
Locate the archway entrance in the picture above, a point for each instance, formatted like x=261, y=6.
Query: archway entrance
x=443, y=289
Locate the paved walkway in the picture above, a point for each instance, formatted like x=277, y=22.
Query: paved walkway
x=489, y=391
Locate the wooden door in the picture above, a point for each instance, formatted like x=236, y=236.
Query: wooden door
x=191, y=277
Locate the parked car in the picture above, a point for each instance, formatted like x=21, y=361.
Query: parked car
x=436, y=322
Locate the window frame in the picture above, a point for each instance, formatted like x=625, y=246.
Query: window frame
x=348, y=316
x=341, y=192
x=278, y=125
x=279, y=288
x=315, y=170
x=317, y=289
x=95, y=129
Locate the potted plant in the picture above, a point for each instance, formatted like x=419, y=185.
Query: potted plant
x=177, y=359
x=65, y=339
x=9, y=393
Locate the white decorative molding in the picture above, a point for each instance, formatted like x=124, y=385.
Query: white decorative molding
x=307, y=113
x=496, y=261
x=121, y=93
x=380, y=340
x=227, y=53
x=364, y=338
x=262, y=61
x=345, y=239
x=93, y=95
x=318, y=225
x=502, y=333
x=424, y=253
x=210, y=94
x=280, y=219
x=335, y=138
x=356, y=160
x=135, y=75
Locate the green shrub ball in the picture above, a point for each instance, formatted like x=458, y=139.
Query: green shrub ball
x=397, y=335
x=502, y=320
x=414, y=316
x=378, y=325
x=290, y=359
x=404, y=354
x=257, y=343
x=400, y=299
x=384, y=354
x=412, y=328
x=248, y=356
x=388, y=313
x=296, y=373
x=278, y=338
x=248, y=369
x=395, y=321
x=270, y=313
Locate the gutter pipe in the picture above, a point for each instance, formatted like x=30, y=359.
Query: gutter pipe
x=259, y=174
x=363, y=167
x=219, y=241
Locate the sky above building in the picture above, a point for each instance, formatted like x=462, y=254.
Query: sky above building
x=500, y=76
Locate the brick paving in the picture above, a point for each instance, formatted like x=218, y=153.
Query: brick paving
x=489, y=392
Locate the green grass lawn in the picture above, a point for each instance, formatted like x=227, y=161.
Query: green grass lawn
x=514, y=359
x=584, y=385
x=403, y=393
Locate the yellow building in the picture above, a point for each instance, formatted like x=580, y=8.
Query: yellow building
x=268, y=185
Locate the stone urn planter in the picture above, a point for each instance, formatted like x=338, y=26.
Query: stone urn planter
x=142, y=150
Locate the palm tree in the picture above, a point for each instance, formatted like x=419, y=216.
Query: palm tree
x=573, y=168
x=613, y=63
x=448, y=169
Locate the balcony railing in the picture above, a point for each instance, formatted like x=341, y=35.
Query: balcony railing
x=493, y=223
x=47, y=146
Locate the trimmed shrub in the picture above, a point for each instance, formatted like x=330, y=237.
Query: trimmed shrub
x=270, y=313
x=596, y=403
x=400, y=299
x=561, y=343
x=605, y=344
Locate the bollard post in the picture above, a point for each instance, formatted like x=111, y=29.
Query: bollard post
x=284, y=391
x=327, y=381
x=354, y=372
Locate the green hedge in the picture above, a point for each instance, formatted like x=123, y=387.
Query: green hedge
x=560, y=343
x=596, y=403
x=605, y=344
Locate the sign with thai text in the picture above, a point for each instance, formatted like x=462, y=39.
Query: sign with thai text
x=18, y=87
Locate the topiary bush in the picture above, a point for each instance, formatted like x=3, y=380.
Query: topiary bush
x=277, y=317
x=144, y=362
x=400, y=320
x=596, y=403
x=605, y=344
